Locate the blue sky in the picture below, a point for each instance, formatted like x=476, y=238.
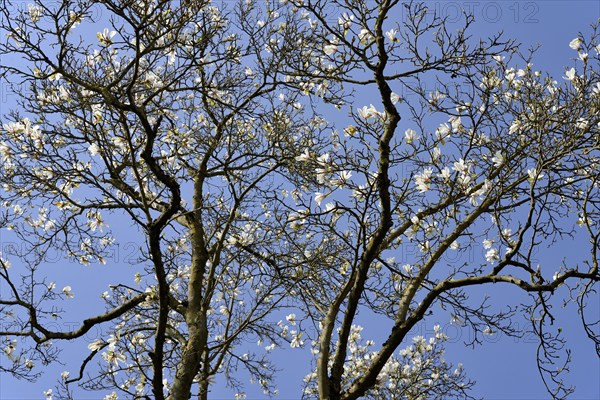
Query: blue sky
x=503, y=367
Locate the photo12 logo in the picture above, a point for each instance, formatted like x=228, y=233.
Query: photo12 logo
x=488, y=11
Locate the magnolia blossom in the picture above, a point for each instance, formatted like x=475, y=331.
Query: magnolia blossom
x=445, y=174
x=350, y=131
x=94, y=149
x=581, y=123
x=575, y=44
x=534, y=174
x=443, y=131
x=410, y=135
x=67, y=292
x=461, y=166
x=291, y=319
x=330, y=49
x=556, y=275
x=35, y=12
x=570, y=75
x=368, y=112
x=343, y=178
x=5, y=153
x=113, y=357
x=456, y=123
x=296, y=339
x=365, y=36
x=423, y=180
x=515, y=126
x=498, y=159
x=105, y=37
x=391, y=35
x=492, y=255
x=345, y=22
x=95, y=220
x=13, y=128
x=319, y=197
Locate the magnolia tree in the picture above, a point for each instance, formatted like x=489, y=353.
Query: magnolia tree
x=200, y=124
x=464, y=146
x=177, y=117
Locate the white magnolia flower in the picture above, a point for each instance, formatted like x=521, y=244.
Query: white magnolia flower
x=5, y=152
x=319, y=197
x=423, y=180
x=534, y=174
x=487, y=244
x=64, y=375
x=368, y=112
x=296, y=339
x=343, y=178
x=35, y=12
x=13, y=128
x=95, y=220
x=498, y=159
x=305, y=156
x=570, y=74
x=445, y=174
x=443, y=131
x=365, y=36
x=407, y=268
x=515, y=126
x=291, y=319
x=345, y=21
x=410, y=135
x=113, y=357
x=48, y=394
x=582, y=123
x=67, y=292
x=330, y=49
x=492, y=255
x=94, y=149
x=350, y=130
x=456, y=123
x=105, y=37
x=391, y=35
x=461, y=166
x=575, y=44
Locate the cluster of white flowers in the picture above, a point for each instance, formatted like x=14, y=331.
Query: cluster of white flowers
x=420, y=367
